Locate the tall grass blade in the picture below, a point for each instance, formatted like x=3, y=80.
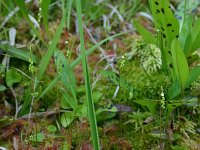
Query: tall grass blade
x=44, y=6
x=69, y=8
x=45, y=61
x=66, y=74
x=49, y=87
x=92, y=116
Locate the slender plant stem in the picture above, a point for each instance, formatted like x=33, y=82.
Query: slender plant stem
x=92, y=116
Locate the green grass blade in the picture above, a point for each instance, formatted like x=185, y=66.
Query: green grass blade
x=49, y=87
x=66, y=74
x=69, y=8
x=18, y=53
x=45, y=61
x=44, y=6
x=148, y=37
x=91, y=110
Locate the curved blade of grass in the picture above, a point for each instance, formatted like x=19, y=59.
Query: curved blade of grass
x=45, y=61
x=18, y=53
x=91, y=110
x=22, y=6
x=44, y=6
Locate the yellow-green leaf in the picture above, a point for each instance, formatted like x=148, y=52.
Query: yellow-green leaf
x=180, y=64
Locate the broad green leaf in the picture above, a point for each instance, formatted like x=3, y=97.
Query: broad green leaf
x=148, y=37
x=67, y=118
x=18, y=53
x=171, y=106
x=179, y=63
x=12, y=76
x=175, y=89
x=44, y=6
x=150, y=104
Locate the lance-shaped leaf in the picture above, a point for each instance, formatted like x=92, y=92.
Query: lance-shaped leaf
x=18, y=53
x=175, y=90
x=150, y=104
x=179, y=63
